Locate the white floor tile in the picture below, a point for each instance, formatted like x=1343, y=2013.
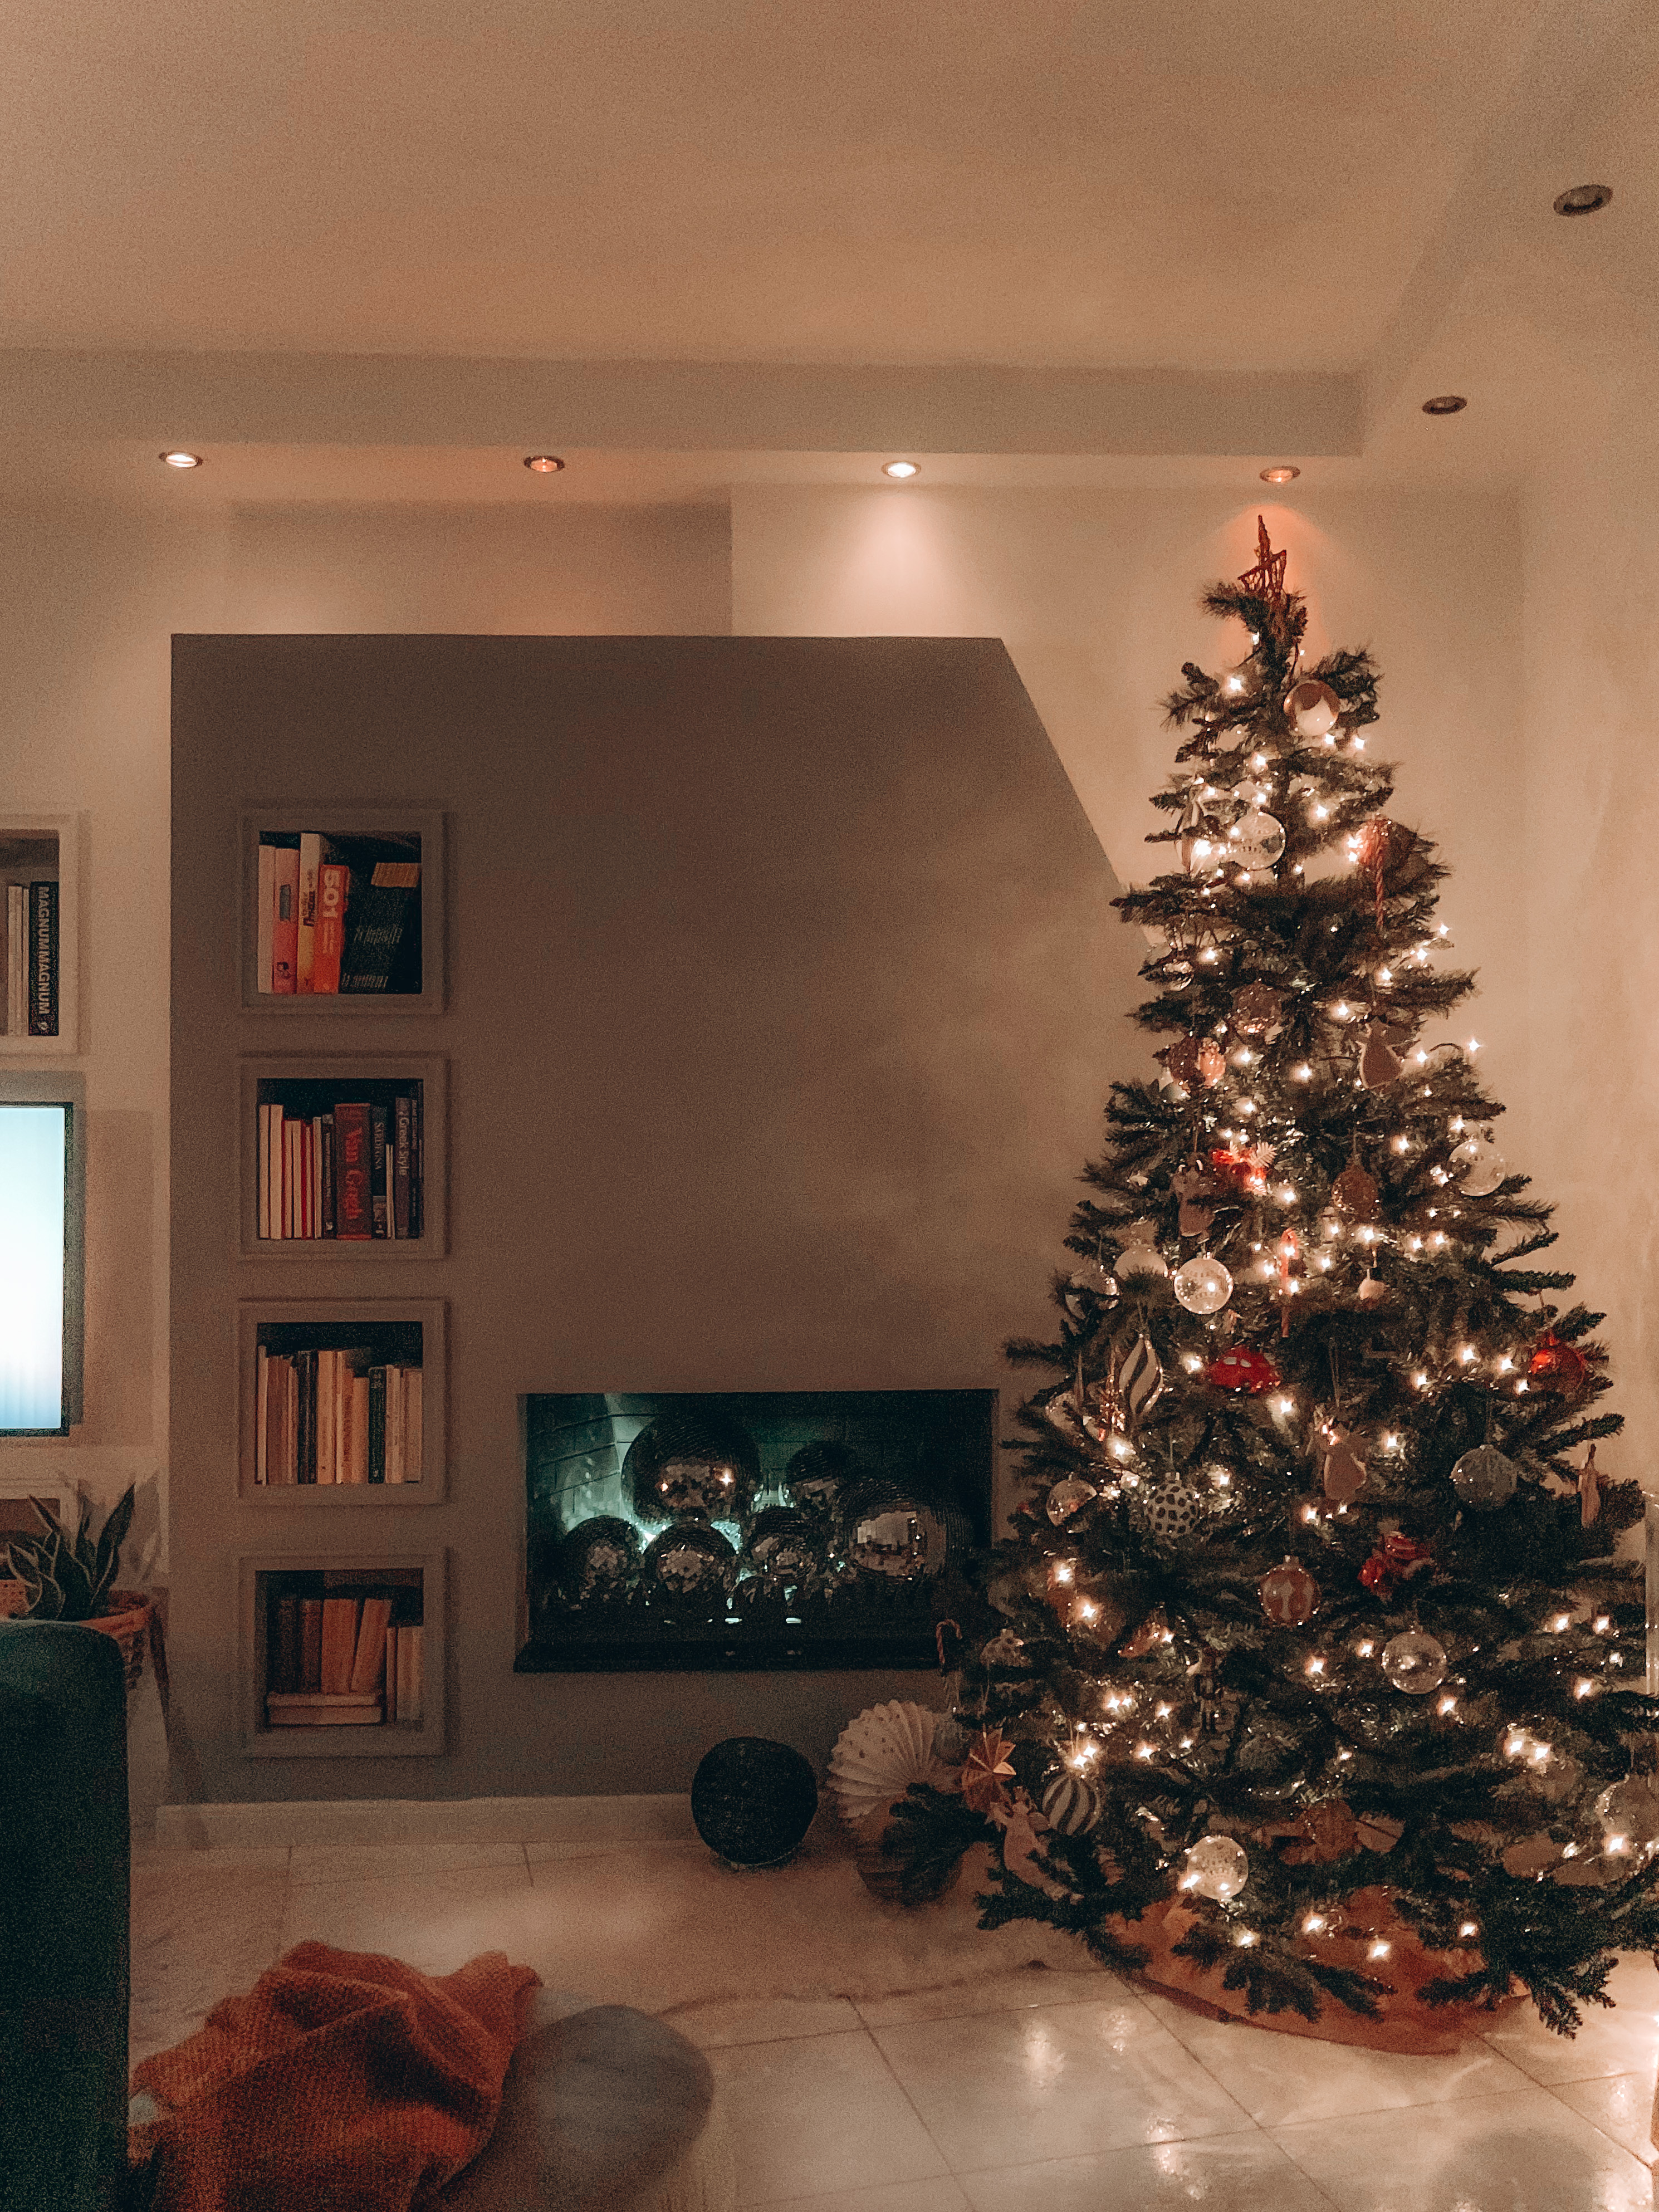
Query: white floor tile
x=338, y=1862
x=1620, y=2105
x=1244, y=2173
x=715, y=2025
x=1006, y=2088
x=942, y=2195
x=1015, y=1992
x=1520, y=2153
x=198, y=1935
x=1624, y=2040
x=819, y=2116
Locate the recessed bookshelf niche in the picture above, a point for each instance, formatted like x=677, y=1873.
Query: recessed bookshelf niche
x=343, y=910
x=342, y=1158
x=38, y=903
x=308, y=1436
x=319, y=1677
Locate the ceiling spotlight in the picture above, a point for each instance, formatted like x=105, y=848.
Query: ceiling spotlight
x=1583, y=199
x=900, y=471
x=1284, y=473
x=181, y=459
x=1448, y=403
x=543, y=464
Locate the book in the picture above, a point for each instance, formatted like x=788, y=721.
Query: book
x=291, y=1426
x=417, y=1170
x=261, y=1412
x=306, y=1709
x=382, y=911
x=377, y=1124
x=391, y=1713
x=43, y=959
x=310, y=859
x=377, y=1424
x=354, y=1193
x=333, y=879
x=16, y=931
x=305, y=1451
x=339, y=1643
x=326, y=1124
x=311, y=1644
x=413, y=1444
x=357, y=1430
x=285, y=917
x=394, y=1423
x=326, y=1393
x=402, y=1122
x=410, y=1673
x=285, y=1661
x=369, y=1664
x=267, y=914
x=270, y=1164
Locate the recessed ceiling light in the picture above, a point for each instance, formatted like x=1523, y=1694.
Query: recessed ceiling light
x=900, y=471
x=1448, y=403
x=1285, y=472
x=180, y=460
x=543, y=465
x=1583, y=199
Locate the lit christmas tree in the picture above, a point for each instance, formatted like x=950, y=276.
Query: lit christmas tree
x=1315, y=1654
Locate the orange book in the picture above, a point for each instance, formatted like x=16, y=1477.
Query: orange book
x=339, y=1643
x=328, y=943
x=370, y=1662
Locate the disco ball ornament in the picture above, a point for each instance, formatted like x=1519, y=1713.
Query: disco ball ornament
x=1088, y=1287
x=1216, y=1867
x=1629, y=1810
x=1415, y=1662
x=1484, y=1478
x=1479, y=1164
x=1256, y=839
x=1288, y=1593
x=951, y=1738
x=1311, y=708
x=1068, y=1497
x=1202, y=1285
x=1007, y=1651
x=1169, y=1512
x=752, y=1800
x=1070, y=1806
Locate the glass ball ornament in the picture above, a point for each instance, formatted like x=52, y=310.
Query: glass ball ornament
x=1479, y=1164
x=1414, y=1662
x=1311, y=708
x=1288, y=1593
x=1069, y=1496
x=1169, y=1512
x=1484, y=1478
x=1089, y=1287
x=1140, y=1261
x=1216, y=1866
x=1631, y=1810
x=1256, y=839
x=1202, y=1285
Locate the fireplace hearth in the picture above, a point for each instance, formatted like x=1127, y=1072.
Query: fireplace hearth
x=749, y=1530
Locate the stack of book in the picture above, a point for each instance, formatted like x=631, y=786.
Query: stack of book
x=336, y=1416
x=32, y=959
x=341, y=1663
x=338, y=915
x=353, y=1173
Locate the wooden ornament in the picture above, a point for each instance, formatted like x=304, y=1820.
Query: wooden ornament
x=1355, y=1195
x=1200, y=1195
x=1590, y=1488
x=1324, y=1832
x=986, y=1770
x=1342, y=1469
x=1380, y=1063
x=1180, y=1059
x=1288, y=1593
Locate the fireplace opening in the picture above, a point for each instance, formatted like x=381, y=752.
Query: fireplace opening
x=749, y=1529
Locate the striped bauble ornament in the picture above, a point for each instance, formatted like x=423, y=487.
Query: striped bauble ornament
x=1070, y=1806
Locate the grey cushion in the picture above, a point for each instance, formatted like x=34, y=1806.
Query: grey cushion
x=598, y=2106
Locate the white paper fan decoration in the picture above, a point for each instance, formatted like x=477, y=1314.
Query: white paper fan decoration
x=878, y=1756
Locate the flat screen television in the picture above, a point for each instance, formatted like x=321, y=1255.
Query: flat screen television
x=42, y=1182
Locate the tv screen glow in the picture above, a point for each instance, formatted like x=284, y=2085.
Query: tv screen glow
x=33, y=1190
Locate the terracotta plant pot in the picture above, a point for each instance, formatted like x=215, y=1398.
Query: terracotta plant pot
x=128, y=1621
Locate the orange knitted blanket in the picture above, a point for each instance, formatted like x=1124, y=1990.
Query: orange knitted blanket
x=340, y=2079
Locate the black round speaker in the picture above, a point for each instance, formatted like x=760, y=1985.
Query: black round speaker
x=753, y=1800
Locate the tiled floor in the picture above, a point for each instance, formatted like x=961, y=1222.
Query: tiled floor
x=1025, y=2091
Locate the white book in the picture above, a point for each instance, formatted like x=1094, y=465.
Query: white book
x=411, y=1425
x=267, y=912
x=16, y=1022
x=262, y=1415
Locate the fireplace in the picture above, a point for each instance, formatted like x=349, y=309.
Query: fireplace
x=749, y=1529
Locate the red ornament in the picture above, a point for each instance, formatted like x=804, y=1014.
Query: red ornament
x=1400, y=1557
x=1289, y=1594
x=1243, y=1170
x=1242, y=1368
x=1558, y=1365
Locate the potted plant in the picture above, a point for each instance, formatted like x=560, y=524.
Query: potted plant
x=70, y=1575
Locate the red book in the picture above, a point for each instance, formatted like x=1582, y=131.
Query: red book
x=285, y=918
x=353, y=1172
x=333, y=879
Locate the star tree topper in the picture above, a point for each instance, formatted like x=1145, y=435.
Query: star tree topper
x=1266, y=579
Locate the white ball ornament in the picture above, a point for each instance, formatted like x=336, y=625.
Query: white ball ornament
x=1217, y=1868
x=1071, y=1806
x=1311, y=708
x=1478, y=1166
x=1415, y=1662
x=1255, y=840
x=1069, y=1496
x=1631, y=1810
x=1484, y=1478
x=1202, y=1285
x=1140, y=1261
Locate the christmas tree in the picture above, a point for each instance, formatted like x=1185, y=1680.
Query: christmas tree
x=1311, y=1634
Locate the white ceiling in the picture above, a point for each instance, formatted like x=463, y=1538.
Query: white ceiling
x=1314, y=205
